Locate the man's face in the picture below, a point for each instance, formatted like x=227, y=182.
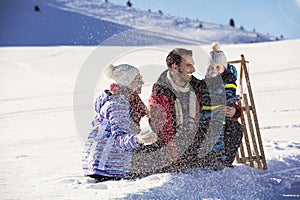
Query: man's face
x=186, y=67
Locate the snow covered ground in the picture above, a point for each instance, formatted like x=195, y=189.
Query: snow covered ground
x=41, y=148
x=47, y=93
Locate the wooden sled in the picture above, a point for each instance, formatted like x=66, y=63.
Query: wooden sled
x=251, y=151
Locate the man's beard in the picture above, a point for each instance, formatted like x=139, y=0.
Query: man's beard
x=179, y=78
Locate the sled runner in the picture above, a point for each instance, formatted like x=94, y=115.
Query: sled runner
x=251, y=151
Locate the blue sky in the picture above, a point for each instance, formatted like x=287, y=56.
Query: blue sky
x=274, y=17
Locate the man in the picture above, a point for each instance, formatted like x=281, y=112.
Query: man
x=174, y=106
x=174, y=111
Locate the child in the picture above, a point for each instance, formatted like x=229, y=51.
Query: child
x=219, y=89
x=116, y=128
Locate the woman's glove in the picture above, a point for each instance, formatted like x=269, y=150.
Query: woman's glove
x=146, y=137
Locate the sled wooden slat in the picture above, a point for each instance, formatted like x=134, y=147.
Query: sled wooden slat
x=236, y=62
x=259, y=140
x=246, y=142
x=252, y=134
x=240, y=158
x=252, y=158
x=251, y=151
x=244, y=109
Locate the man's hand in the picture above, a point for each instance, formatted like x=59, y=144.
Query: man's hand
x=227, y=111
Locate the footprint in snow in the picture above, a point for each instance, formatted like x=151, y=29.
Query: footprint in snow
x=98, y=186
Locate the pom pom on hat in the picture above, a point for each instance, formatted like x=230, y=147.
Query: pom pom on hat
x=215, y=46
x=217, y=56
x=122, y=74
x=108, y=71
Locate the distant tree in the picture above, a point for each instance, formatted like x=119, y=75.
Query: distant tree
x=160, y=12
x=281, y=37
x=36, y=8
x=129, y=4
x=242, y=28
x=231, y=22
x=254, y=30
x=187, y=19
x=149, y=10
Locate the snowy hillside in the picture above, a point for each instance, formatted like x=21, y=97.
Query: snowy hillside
x=77, y=22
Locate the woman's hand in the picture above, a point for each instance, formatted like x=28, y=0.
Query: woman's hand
x=227, y=111
x=146, y=137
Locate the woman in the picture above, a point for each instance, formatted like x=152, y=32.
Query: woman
x=115, y=134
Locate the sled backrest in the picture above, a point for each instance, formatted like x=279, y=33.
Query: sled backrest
x=251, y=151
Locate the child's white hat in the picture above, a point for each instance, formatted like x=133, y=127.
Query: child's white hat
x=122, y=74
x=217, y=56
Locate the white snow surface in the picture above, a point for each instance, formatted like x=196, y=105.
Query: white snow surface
x=41, y=149
x=41, y=140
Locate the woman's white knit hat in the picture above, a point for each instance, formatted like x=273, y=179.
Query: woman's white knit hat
x=217, y=56
x=122, y=74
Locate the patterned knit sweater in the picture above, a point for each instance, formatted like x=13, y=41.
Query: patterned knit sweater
x=108, y=149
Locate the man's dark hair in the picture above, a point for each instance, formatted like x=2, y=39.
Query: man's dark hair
x=174, y=57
